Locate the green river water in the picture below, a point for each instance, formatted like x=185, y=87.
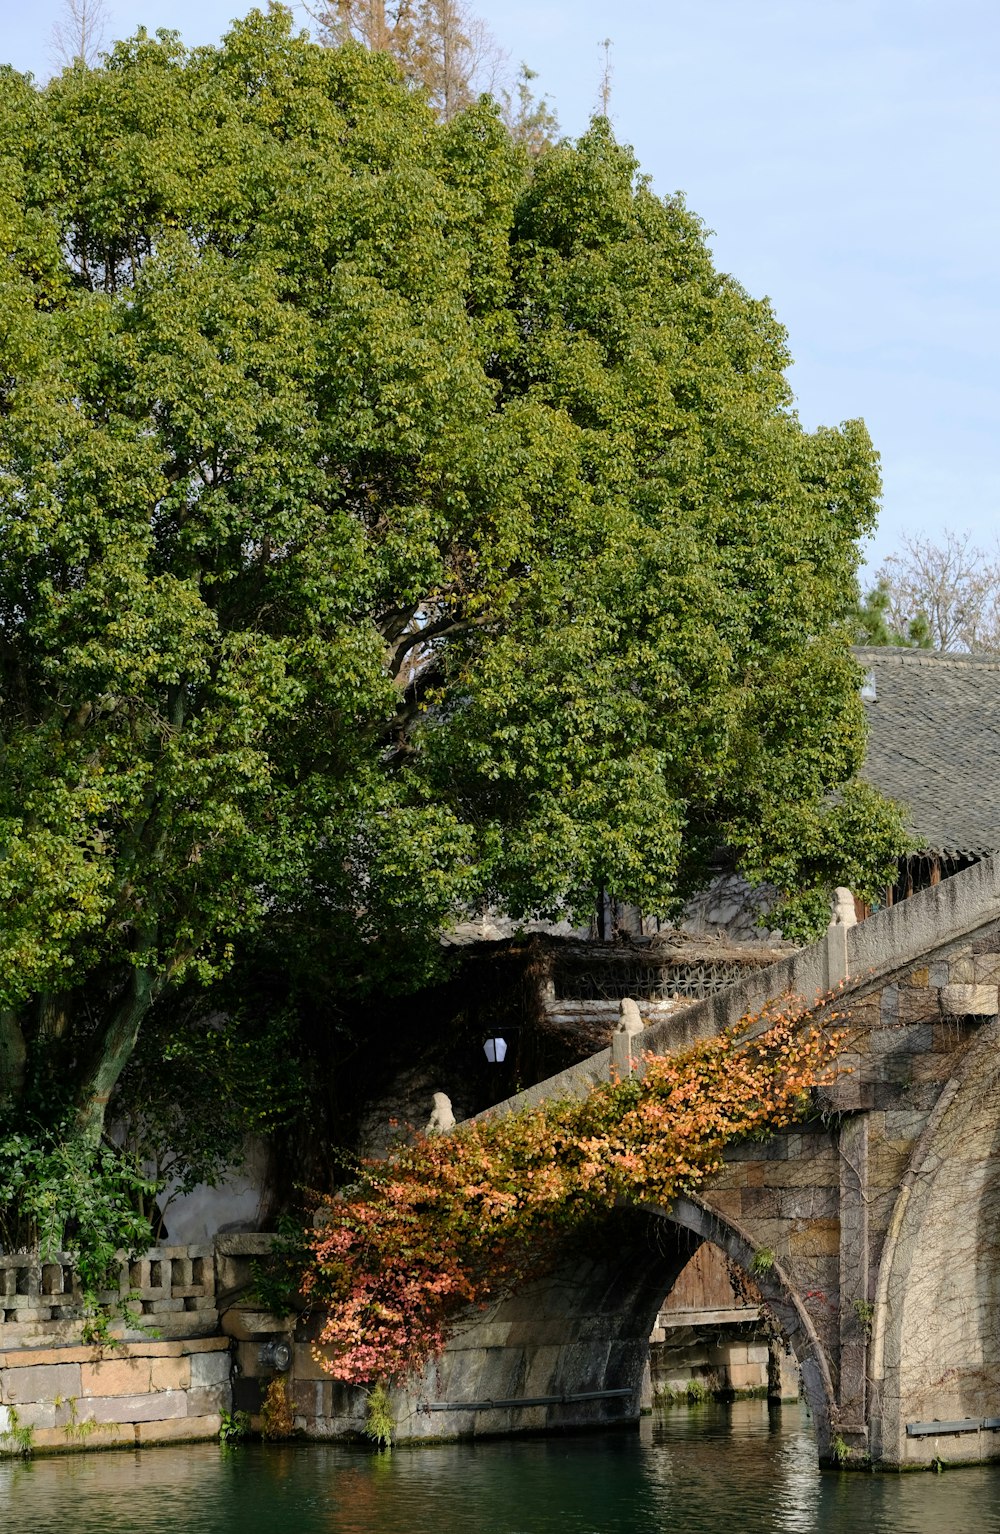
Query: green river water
x=727, y=1470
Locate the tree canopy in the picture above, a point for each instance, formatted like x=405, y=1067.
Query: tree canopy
x=390, y=523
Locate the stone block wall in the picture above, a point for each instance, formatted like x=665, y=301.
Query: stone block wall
x=136, y=1393
x=165, y=1374
x=191, y=1348
x=727, y=1360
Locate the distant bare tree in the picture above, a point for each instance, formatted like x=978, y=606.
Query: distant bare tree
x=384, y=26
x=949, y=590
x=458, y=57
x=443, y=47
x=78, y=35
x=607, y=71
x=438, y=44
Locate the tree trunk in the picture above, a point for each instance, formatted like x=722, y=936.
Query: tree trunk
x=113, y=1051
x=13, y=1060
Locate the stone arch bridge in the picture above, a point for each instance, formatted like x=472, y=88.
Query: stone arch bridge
x=873, y=1232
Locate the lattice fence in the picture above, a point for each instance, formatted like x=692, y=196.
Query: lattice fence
x=656, y=982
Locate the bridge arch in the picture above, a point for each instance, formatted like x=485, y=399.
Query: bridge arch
x=569, y=1349
x=885, y=1221
x=781, y=1298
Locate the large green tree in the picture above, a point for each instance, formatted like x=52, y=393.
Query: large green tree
x=387, y=524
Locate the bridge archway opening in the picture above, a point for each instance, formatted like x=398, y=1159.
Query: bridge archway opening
x=570, y=1348
x=784, y=1305
x=714, y=1337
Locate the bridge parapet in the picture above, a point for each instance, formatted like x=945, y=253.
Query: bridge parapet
x=850, y=961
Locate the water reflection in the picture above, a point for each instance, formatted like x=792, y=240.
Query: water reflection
x=736, y=1470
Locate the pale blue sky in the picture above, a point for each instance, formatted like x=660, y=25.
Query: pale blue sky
x=845, y=153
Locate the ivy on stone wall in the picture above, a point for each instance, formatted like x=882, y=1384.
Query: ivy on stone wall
x=460, y=1220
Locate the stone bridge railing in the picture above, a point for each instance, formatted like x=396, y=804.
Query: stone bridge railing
x=891, y=941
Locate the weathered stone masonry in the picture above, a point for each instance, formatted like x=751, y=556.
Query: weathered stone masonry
x=141, y=1393
x=873, y=1233
x=166, y=1377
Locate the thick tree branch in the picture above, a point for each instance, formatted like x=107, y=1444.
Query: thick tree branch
x=394, y=733
x=394, y=622
x=113, y=1050
x=444, y=628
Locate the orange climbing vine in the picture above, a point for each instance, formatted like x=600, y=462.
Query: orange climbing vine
x=456, y=1220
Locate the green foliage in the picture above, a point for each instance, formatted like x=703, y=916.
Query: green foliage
x=58, y=1195
x=79, y=1427
x=17, y=1437
x=389, y=524
x=277, y=1279
x=695, y=1393
x=864, y=1310
x=848, y=1458
x=379, y=1421
x=763, y=1261
x=233, y=1426
x=533, y=123
x=96, y=1329
x=840, y=1449
x=873, y=625
x=197, y=1086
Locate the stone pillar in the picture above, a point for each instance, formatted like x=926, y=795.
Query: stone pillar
x=646, y=1389
x=782, y=1372
x=855, y=1312
x=624, y=1049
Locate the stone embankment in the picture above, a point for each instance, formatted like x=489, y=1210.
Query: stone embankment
x=162, y=1371
x=96, y=1398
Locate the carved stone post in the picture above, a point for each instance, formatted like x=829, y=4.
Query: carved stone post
x=624, y=1050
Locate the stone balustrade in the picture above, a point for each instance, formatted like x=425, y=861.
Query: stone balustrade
x=32, y=1291
x=170, y=1288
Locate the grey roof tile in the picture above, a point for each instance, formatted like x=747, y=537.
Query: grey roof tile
x=934, y=744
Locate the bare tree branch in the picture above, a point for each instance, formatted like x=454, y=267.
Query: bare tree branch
x=78, y=36
x=444, y=48
x=950, y=590
x=607, y=71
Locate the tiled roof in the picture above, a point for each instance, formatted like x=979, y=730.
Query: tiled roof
x=934, y=744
